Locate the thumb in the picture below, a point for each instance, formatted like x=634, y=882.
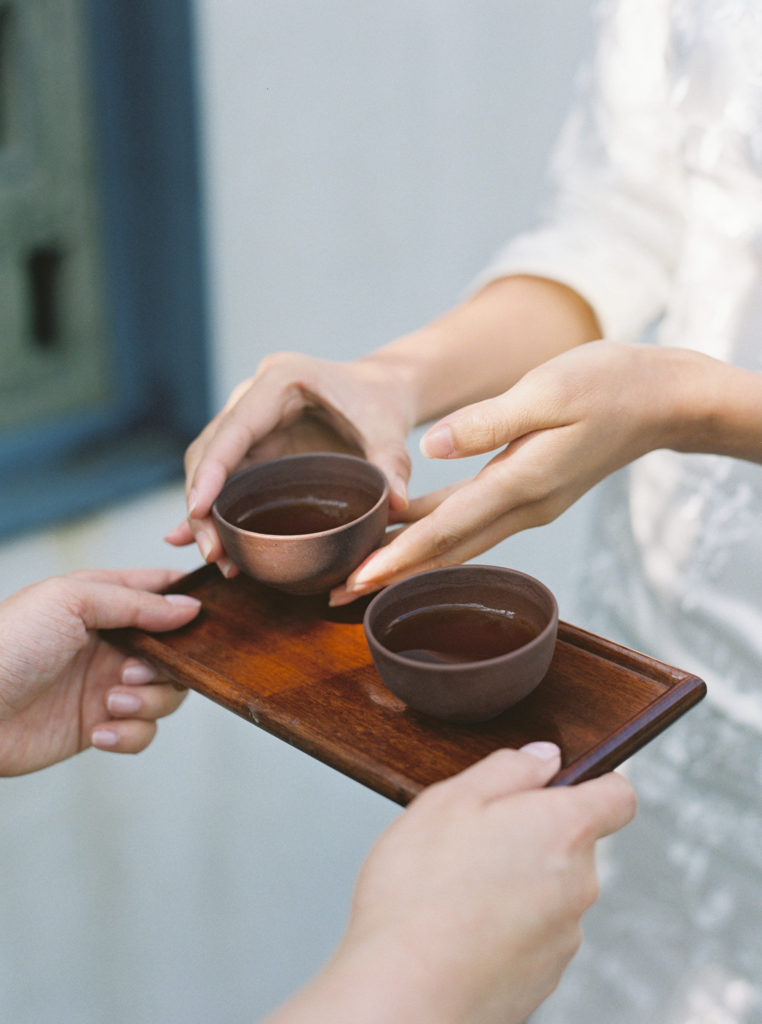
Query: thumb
x=111, y=606
x=485, y=426
x=472, y=430
x=510, y=771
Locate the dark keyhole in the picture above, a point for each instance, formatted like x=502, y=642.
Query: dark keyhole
x=44, y=277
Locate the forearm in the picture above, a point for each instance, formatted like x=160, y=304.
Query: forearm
x=482, y=347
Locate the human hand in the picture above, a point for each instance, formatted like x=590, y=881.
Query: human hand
x=468, y=908
x=62, y=687
x=565, y=426
x=296, y=402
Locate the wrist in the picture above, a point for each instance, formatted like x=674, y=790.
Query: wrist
x=664, y=396
x=709, y=406
x=483, y=346
x=371, y=982
x=411, y=367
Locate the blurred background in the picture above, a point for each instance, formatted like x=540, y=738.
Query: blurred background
x=183, y=189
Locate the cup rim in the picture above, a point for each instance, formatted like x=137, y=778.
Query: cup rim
x=451, y=668
x=304, y=456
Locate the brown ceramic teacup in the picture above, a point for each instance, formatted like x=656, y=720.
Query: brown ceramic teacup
x=463, y=643
x=302, y=523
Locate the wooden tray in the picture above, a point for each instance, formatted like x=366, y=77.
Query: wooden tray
x=302, y=671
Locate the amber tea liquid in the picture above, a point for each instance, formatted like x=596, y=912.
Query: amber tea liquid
x=307, y=509
x=457, y=633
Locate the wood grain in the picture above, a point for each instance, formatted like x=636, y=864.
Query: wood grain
x=303, y=672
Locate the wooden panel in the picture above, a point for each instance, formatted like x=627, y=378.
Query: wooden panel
x=302, y=671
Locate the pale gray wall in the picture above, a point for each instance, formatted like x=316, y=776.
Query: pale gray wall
x=363, y=161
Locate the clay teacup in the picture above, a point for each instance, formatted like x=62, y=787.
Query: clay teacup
x=302, y=523
x=464, y=643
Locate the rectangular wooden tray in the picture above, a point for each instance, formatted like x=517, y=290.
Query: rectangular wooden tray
x=303, y=672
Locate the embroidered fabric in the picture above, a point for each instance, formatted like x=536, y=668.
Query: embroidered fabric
x=658, y=223
x=675, y=936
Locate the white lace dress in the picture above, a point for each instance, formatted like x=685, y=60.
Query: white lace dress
x=658, y=223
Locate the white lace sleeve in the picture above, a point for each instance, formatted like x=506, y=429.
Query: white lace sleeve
x=615, y=228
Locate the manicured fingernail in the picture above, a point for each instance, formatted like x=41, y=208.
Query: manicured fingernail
x=123, y=703
x=399, y=485
x=438, y=443
x=204, y=542
x=182, y=600
x=192, y=500
x=104, y=738
x=367, y=574
x=543, y=750
x=226, y=567
x=136, y=675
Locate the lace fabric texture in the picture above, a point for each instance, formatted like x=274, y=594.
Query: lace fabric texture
x=675, y=936
x=658, y=223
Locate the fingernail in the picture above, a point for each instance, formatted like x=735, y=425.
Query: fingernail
x=182, y=600
x=104, y=738
x=136, y=675
x=192, y=500
x=542, y=750
x=226, y=567
x=367, y=574
x=399, y=486
x=123, y=703
x=204, y=542
x=438, y=443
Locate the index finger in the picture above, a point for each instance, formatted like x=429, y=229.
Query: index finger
x=109, y=605
x=219, y=449
x=423, y=505
x=470, y=518
x=196, y=450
